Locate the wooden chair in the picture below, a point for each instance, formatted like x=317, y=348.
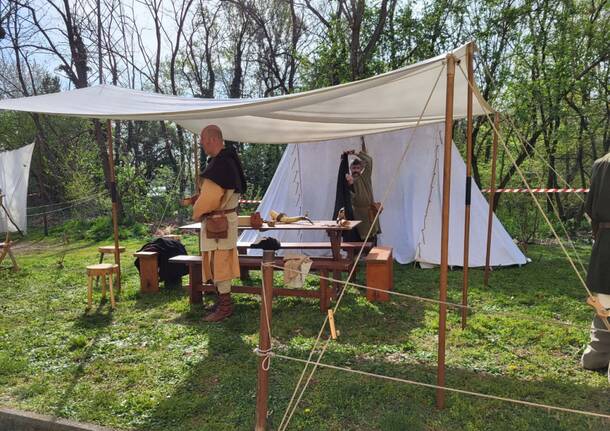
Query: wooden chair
x=101, y=270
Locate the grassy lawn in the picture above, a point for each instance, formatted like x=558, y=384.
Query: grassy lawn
x=154, y=365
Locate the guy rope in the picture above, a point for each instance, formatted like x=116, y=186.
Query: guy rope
x=592, y=300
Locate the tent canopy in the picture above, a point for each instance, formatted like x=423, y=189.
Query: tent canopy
x=387, y=102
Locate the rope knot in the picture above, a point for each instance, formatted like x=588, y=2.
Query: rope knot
x=266, y=355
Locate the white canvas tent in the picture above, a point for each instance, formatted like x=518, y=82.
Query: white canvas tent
x=14, y=175
x=306, y=177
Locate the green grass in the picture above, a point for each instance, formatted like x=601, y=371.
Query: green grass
x=154, y=365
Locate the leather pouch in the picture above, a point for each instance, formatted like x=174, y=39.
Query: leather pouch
x=217, y=226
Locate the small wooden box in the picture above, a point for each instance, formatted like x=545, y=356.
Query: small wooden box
x=379, y=273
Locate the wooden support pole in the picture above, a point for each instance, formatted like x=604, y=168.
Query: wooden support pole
x=491, y=199
x=444, y=268
x=196, y=157
x=115, y=204
x=264, y=341
x=469, y=60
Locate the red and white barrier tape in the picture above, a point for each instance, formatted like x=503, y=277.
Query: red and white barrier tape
x=582, y=190
x=539, y=190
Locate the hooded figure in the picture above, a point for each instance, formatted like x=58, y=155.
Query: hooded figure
x=343, y=199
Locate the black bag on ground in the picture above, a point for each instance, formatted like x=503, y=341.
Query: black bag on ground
x=166, y=249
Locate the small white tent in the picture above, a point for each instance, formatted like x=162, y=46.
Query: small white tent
x=305, y=181
x=14, y=175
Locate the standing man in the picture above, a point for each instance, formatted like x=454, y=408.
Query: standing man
x=597, y=353
x=216, y=206
x=363, y=203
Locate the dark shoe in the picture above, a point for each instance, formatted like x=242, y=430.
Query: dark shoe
x=223, y=310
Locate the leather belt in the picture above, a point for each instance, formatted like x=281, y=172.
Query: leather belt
x=220, y=212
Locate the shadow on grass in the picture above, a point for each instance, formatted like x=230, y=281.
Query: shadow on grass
x=168, y=293
x=98, y=322
x=220, y=392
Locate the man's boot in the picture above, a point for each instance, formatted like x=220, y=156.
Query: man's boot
x=224, y=309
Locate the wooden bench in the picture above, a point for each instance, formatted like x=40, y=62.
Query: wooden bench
x=149, y=271
x=323, y=265
x=379, y=273
x=352, y=248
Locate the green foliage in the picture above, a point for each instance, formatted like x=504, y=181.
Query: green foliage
x=259, y=163
x=98, y=229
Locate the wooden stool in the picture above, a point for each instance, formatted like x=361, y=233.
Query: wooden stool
x=101, y=270
x=174, y=237
x=379, y=273
x=5, y=250
x=108, y=249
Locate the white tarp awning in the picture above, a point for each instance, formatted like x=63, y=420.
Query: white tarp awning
x=391, y=101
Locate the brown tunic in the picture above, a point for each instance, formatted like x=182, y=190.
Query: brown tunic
x=598, y=208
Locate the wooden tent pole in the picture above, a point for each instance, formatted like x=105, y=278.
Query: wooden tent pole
x=115, y=204
x=264, y=341
x=491, y=199
x=196, y=156
x=444, y=269
x=469, y=60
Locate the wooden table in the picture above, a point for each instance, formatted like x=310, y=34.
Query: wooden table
x=331, y=227
x=335, y=265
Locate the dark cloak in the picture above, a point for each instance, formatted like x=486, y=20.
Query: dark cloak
x=166, y=249
x=343, y=199
x=225, y=170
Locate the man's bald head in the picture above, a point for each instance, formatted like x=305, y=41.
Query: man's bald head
x=211, y=140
